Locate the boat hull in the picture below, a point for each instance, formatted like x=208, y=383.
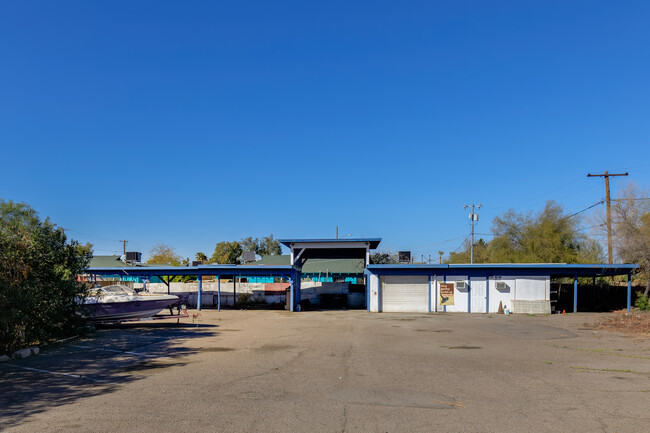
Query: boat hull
x=135, y=309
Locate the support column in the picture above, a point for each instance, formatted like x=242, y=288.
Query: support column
x=487, y=294
x=218, y=292
x=198, y=297
x=575, y=293
x=469, y=294
x=629, y=292
x=291, y=290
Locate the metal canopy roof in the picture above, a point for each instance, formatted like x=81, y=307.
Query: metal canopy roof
x=246, y=270
x=552, y=269
x=338, y=242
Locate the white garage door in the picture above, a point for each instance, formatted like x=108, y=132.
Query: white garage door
x=404, y=293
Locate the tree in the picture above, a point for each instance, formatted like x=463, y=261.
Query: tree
x=481, y=253
x=268, y=246
x=85, y=249
x=264, y=247
x=164, y=254
x=201, y=257
x=631, y=215
x=39, y=291
x=250, y=244
x=546, y=237
x=382, y=257
x=226, y=253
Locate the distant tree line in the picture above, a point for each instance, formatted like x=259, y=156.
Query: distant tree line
x=225, y=252
x=553, y=236
x=549, y=236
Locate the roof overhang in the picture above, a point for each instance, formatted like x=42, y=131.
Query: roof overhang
x=341, y=243
x=528, y=269
x=245, y=270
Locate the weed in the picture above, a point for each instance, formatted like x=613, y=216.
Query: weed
x=548, y=362
x=642, y=303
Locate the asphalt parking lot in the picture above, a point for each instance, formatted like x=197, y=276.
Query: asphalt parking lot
x=335, y=371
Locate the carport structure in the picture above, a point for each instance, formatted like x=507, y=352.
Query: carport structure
x=339, y=248
x=478, y=287
x=287, y=272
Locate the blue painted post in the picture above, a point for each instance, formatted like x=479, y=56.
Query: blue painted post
x=487, y=294
x=291, y=289
x=198, y=298
x=218, y=292
x=575, y=293
x=629, y=293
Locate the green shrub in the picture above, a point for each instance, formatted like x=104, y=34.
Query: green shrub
x=642, y=303
x=39, y=291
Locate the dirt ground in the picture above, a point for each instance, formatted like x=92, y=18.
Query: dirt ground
x=336, y=371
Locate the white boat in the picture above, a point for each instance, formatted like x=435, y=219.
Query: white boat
x=118, y=302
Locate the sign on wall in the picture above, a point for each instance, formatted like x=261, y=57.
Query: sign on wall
x=446, y=293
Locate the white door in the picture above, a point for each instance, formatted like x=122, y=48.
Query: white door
x=404, y=293
x=477, y=296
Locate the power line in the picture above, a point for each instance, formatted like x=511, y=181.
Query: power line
x=93, y=236
x=631, y=199
x=438, y=243
x=535, y=198
x=592, y=227
x=462, y=244
x=585, y=209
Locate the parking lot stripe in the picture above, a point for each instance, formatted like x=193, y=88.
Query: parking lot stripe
x=76, y=376
x=110, y=350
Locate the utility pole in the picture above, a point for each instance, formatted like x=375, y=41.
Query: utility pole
x=474, y=217
x=607, y=175
x=124, y=247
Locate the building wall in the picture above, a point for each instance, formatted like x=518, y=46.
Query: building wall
x=373, y=281
x=530, y=293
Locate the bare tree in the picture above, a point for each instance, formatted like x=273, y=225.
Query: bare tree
x=631, y=214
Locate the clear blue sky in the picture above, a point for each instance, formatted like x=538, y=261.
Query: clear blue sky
x=194, y=122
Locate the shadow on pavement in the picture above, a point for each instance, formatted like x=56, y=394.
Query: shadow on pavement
x=89, y=366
